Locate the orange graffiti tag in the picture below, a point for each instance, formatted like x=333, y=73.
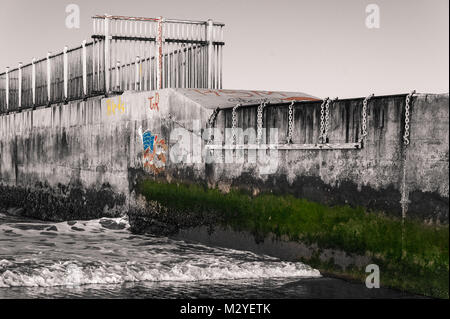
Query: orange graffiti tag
x=154, y=102
x=155, y=160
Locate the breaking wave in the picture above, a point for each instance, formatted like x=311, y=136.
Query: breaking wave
x=103, y=251
x=69, y=273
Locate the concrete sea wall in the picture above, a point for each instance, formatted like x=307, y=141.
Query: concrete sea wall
x=370, y=177
x=73, y=151
x=167, y=159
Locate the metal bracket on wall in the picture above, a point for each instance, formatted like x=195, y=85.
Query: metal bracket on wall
x=327, y=146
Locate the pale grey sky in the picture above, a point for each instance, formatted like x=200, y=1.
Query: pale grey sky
x=320, y=47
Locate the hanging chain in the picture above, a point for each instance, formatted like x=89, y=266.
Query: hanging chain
x=259, y=122
x=322, y=120
x=211, y=121
x=327, y=121
x=404, y=201
x=234, y=123
x=407, y=107
x=291, y=123
x=364, y=118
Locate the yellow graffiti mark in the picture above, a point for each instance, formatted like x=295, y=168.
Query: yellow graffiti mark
x=112, y=107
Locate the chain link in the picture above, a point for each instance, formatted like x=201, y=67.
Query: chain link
x=404, y=201
x=291, y=123
x=211, y=121
x=234, y=123
x=407, y=107
x=322, y=120
x=259, y=122
x=327, y=120
x=364, y=118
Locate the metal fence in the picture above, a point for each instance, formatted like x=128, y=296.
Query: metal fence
x=126, y=53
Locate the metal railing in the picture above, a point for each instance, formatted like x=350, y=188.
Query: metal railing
x=126, y=53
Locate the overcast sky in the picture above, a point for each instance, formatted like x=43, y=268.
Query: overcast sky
x=320, y=47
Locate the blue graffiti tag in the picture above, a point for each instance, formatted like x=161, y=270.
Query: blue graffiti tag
x=148, y=140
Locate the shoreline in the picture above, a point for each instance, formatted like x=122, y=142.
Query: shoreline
x=325, y=286
x=339, y=240
x=246, y=240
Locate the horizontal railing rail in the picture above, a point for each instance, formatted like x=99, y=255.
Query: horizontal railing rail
x=126, y=53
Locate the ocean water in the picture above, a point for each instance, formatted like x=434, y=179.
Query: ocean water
x=102, y=259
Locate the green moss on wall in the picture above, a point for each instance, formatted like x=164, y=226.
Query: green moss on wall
x=412, y=256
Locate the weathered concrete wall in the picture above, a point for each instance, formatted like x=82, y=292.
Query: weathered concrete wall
x=97, y=145
x=64, y=162
x=371, y=176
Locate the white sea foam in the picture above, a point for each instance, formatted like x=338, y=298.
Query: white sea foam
x=72, y=274
x=97, y=255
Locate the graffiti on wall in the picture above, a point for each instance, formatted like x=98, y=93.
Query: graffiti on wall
x=155, y=149
x=112, y=107
x=154, y=102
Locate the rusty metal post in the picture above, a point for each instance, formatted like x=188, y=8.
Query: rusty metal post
x=159, y=57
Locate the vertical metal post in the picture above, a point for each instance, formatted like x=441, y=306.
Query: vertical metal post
x=83, y=44
x=49, y=77
x=107, y=54
x=117, y=75
x=159, y=62
x=94, y=62
x=65, y=72
x=169, y=65
x=33, y=80
x=221, y=59
x=7, y=88
x=20, y=84
x=136, y=77
x=209, y=38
